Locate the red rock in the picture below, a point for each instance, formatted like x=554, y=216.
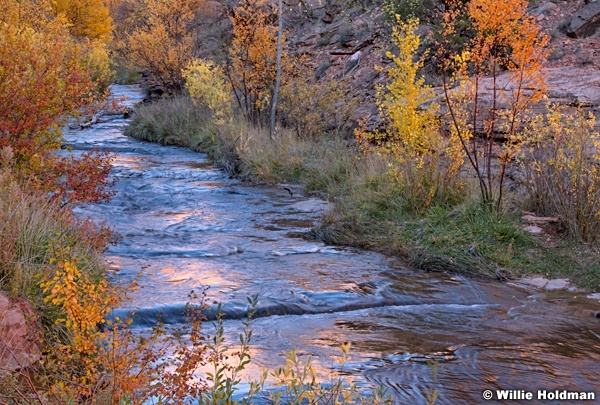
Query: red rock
x=19, y=334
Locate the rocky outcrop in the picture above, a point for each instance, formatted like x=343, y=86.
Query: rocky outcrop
x=19, y=334
x=586, y=21
x=573, y=85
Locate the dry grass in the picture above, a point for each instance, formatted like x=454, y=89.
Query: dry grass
x=31, y=227
x=563, y=172
x=379, y=204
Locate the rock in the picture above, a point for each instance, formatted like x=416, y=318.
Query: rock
x=327, y=18
x=572, y=85
x=557, y=284
x=539, y=282
x=321, y=69
x=335, y=39
x=19, y=334
x=536, y=230
x=545, y=8
x=544, y=283
x=533, y=219
x=585, y=21
x=352, y=63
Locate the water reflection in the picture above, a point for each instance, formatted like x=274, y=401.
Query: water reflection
x=187, y=227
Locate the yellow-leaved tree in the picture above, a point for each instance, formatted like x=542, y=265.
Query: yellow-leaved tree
x=90, y=22
x=88, y=18
x=425, y=162
x=208, y=87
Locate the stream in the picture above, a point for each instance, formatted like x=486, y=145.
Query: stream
x=187, y=226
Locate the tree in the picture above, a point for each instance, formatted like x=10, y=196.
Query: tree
x=252, y=67
x=42, y=77
x=88, y=18
x=45, y=75
x=278, y=69
x=208, y=87
x=509, y=47
x=426, y=163
x=165, y=42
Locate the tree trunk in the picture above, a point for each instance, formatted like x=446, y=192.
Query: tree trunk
x=278, y=75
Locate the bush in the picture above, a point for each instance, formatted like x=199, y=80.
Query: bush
x=426, y=163
x=208, y=88
x=312, y=109
x=562, y=172
x=30, y=225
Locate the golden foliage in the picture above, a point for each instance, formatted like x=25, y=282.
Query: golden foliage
x=165, y=40
x=87, y=18
x=93, y=359
x=252, y=66
x=426, y=163
x=207, y=86
x=562, y=173
x=413, y=130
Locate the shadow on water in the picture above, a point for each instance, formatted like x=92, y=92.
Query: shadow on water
x=187, y=226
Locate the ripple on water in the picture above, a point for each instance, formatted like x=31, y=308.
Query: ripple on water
x=189, y=227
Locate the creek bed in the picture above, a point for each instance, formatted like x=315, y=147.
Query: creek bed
x=188, y=226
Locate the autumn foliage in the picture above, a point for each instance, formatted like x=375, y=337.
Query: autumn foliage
x=45, y=75
x=88, y=18
x=163, y=39
x=426, y=163
x=490, y=84
x=252, y=66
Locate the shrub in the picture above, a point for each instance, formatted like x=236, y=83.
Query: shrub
x=29, y=224
x=562, y=172
x=163, y=41
x=312, y=109
x=505, y=39
x=207, y=86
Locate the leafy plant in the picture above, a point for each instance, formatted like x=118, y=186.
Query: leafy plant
x=426, y=163
x=562, y=176
x=299, y=385
x=251, y=67
x=224, y=377
x=163, y=40
x=481, y=111
x=88, y=18
x=207, y=86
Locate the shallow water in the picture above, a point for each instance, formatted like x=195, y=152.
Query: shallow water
x=187, y=226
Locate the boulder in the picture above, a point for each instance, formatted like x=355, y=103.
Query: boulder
x=586, y=21
x=557, y=284
x=352, y=63
x=19, y=334
x=544, y=9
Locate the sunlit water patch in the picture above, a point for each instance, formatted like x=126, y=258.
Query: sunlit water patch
x=186, y=227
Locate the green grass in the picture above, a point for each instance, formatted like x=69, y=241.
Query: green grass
x=450, y=232
x=125, y=75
